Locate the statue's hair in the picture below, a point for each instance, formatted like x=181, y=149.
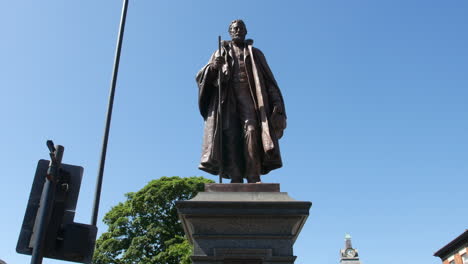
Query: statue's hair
x=239, y=21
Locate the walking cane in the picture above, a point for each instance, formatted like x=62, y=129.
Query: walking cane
x=220, y=119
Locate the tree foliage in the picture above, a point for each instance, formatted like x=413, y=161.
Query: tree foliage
x=145, y=229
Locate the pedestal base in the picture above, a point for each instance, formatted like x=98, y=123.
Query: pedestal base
x=243, y=224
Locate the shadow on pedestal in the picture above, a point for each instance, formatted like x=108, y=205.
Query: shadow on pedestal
x=243, y=224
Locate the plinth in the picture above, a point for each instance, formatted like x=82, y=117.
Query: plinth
x=243, y=224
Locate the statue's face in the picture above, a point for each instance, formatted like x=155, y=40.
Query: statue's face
x=237, y=32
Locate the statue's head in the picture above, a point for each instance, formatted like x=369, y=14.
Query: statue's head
x=237, y=30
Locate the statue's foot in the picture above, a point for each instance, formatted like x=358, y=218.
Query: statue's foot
x=254, y=179
x=237, y=180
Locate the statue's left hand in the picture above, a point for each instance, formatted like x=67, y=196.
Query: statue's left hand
x=278, y=120
x=278, y=109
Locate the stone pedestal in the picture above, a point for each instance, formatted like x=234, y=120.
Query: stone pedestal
x=243, y=224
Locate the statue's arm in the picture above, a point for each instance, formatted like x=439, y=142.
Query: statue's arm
x=207, y=85
x=274, y=93
x=209, y=73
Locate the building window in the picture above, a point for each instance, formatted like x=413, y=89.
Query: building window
x=465, y=258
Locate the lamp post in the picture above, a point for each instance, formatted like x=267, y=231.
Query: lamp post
x=97, y=195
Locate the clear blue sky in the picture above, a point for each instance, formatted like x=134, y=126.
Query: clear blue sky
x=376, y=94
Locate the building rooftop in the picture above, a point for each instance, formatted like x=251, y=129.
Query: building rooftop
x=452, y=245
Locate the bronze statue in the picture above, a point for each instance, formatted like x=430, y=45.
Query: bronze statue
x=252, y=116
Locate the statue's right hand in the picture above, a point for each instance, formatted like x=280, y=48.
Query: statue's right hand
x=218, y=62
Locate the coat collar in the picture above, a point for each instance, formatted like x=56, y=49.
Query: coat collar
x=227, y=44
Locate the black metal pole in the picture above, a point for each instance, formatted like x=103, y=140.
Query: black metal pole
x=220, y=118
x=46, y=206
x=97, y=195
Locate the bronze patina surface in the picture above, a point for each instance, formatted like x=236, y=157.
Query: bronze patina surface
x=243, y=109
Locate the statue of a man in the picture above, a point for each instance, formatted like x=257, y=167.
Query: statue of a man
x=252, y=111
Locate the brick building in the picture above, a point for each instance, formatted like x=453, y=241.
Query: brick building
x=456, y=251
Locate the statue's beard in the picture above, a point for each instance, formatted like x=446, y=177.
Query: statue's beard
x=238, y=38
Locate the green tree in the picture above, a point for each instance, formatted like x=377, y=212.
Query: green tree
x=145, y=229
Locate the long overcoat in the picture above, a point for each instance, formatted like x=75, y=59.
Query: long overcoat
x=265, y=94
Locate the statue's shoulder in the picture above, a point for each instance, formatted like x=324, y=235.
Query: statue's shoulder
x=250, y=42
x=257, y=52
x=227, y=43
